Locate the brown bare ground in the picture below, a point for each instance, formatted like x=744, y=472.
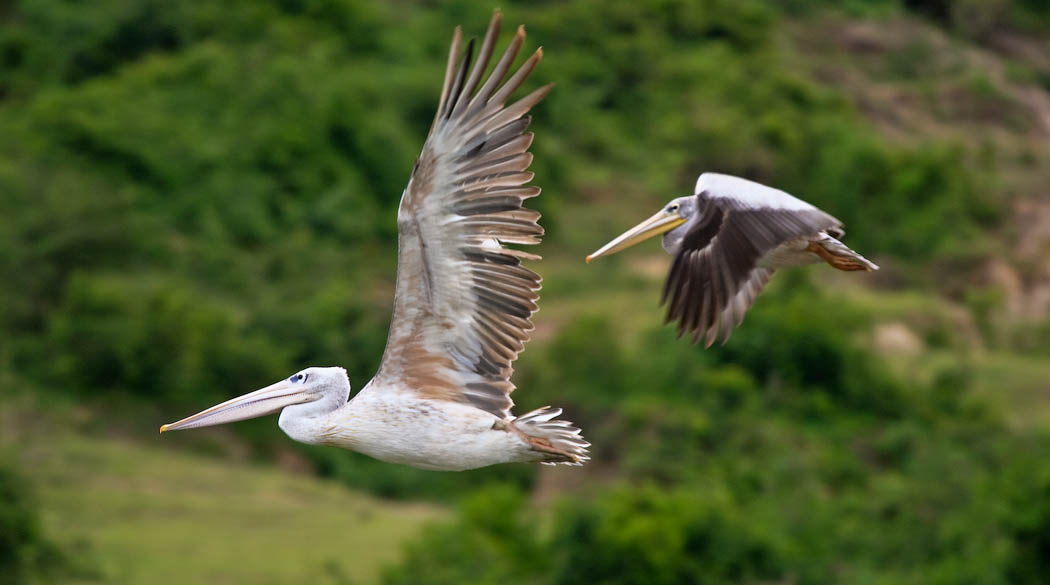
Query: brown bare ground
x=916, y=84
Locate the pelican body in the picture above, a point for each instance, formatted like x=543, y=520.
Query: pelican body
x=727, y=239
x=463, y=301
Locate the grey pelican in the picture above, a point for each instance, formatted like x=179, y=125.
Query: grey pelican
x=463, y=301
x=727, y=239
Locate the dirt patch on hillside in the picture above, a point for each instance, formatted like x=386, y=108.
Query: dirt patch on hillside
x=915, y=82
x=919, y=85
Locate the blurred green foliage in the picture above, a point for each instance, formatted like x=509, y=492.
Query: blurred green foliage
x=25, y=554
x=177, y=177
x=198, y=198
x=825, y=469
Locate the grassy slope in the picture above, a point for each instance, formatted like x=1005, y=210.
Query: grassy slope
x=140, y=513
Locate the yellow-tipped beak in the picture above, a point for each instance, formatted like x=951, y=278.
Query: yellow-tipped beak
x=662, y=222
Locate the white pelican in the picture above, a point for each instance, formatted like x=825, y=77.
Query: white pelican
x=462, y=306
x=727, y=239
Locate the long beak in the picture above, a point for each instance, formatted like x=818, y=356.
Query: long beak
x=259, y=403
x=659, y=223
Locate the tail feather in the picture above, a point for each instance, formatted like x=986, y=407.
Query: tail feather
x=556, y=441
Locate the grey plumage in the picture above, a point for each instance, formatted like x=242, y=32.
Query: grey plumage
x=720, y=247
x=727, y=239
x=464, y=201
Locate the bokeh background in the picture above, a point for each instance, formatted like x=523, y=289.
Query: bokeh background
x=198, y=198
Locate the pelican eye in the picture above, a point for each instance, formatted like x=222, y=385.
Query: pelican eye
x=672, y=208
x=298, y=378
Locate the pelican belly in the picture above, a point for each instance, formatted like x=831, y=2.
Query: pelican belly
x=790, y=254
x=398, y=426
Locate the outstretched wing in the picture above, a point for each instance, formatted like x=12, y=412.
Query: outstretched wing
x=715, y=276
x=463, y=301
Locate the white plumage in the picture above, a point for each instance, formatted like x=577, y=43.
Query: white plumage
x=462, y=305
x=747, y=193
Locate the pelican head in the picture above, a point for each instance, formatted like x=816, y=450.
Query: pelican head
x=302, y=396
x=672, y=221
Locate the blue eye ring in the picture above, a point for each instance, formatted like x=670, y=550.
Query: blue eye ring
x=298, y=378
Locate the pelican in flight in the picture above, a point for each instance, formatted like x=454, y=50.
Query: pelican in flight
x=727, y=239
x=463, y=302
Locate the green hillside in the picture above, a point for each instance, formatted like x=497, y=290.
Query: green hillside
x=197, y=199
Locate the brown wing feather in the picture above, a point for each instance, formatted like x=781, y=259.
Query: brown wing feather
x=714, y=278
x=463, y=303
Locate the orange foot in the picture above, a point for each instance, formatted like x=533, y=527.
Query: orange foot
x=842, y=262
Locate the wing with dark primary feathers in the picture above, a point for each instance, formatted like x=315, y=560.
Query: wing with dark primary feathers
x=463, y=301
x=715, y=275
